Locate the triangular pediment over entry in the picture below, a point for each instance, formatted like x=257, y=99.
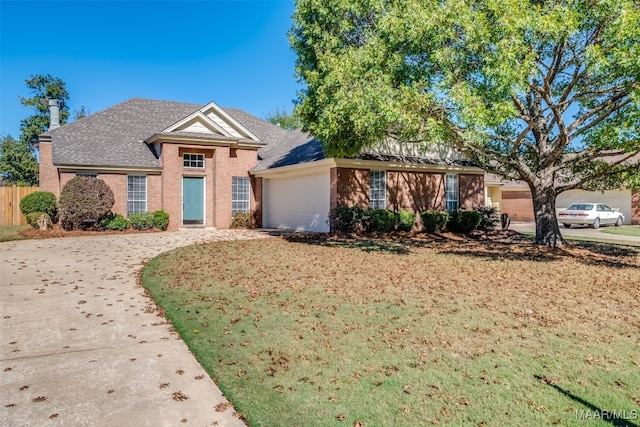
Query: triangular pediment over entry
x=211, y=119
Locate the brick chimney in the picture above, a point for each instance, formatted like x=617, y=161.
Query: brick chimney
x=54, y=113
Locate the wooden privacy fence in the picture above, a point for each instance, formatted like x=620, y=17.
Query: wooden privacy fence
x=10, y=204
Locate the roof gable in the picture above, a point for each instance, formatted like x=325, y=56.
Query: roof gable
x=211, y=119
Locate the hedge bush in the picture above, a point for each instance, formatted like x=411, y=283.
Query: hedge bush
x=141, y=220
x=160, y=220
x=464, y=222
x=114, y=222
x=434, y=221
x=33, y=217
x=40, y=201
x=243, y=220
x=490, y=218
x=381, y=220
x=84, y=202
x=405, y=220
x=346, y=219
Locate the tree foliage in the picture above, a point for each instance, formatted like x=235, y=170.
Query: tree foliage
x=43, y=88
x=546, y=92
x=18, y=166
x=284, y=118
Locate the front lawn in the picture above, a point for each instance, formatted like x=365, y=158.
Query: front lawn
x=12, y=232
x=632, y=230
x=325, y=331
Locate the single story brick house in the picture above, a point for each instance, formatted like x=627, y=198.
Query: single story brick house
x=202, y=164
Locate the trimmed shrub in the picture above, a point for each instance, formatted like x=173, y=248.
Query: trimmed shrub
x=382, y=220
x=40, y=201
x=160, y=220
x=243, y=220
x=434, y=221
x=345, y=219
x=84, y=202
x=141, y=220
x=34, y=217
x=490, y=219
x=114, y=222
x=406, y=220
x=464, y=222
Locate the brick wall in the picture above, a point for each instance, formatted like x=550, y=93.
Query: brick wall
x=415, y=191
x=49, y=179
x=635, y=207
x=221, y=165
x=471, y=188
x=518, y=205
x=349, y=187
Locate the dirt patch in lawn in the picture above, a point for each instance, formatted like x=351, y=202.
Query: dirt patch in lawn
x=325, y=330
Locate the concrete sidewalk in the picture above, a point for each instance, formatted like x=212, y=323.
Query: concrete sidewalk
x=583, y=232
x=81, y=345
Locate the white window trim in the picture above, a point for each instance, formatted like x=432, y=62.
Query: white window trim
x=146, y=194
x=377, y=201
x=455, y=191
x=184, y=155
x=247, y=201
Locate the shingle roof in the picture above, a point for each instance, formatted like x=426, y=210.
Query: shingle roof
x=115, y=137
x=296, y=147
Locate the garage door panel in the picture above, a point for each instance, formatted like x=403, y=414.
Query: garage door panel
x=300, y=203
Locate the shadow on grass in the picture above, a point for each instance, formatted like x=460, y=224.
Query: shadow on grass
x=614, y=416
x=513, y=247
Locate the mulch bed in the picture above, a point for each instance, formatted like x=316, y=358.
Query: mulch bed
x=57, y=231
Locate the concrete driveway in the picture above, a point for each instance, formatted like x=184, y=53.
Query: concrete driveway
x=81, y=345
x=580, y=231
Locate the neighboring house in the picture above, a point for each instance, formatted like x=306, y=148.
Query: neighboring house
x=514, y=199
x=202, y=164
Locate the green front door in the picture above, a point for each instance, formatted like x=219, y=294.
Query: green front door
x=192, y=200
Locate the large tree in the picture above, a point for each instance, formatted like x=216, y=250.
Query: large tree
x=544, y=91
x=43, y=88
x=18, y=166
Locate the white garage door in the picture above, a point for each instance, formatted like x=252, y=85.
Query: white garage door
x=300, y=203
x=620, y=199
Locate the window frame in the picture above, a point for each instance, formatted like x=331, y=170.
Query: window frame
x=452, y=204
x=132, y=201
x=377, y=189
x=240, y=195
x=193, y=160
x=88, y=174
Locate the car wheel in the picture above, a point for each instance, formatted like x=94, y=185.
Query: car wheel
x=618, y=221
x=596, y=223
x=567, y=225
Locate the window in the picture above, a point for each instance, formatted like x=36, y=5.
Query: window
x=451, y=190
x=240, y=191
x=191, y=160
x=378, y=189
x=136, y=194
x=87, y=174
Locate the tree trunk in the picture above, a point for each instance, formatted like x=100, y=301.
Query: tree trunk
x=544, y=208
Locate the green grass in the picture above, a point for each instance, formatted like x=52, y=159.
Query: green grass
x=324, y=333
x=633, y=230
x=12, y=232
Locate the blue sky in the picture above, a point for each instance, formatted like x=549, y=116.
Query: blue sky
x=235, y=53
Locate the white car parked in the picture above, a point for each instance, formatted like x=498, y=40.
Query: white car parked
x=593, y=214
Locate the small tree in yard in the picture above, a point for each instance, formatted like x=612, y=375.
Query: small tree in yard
x=84, y=202
x=544, y=91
